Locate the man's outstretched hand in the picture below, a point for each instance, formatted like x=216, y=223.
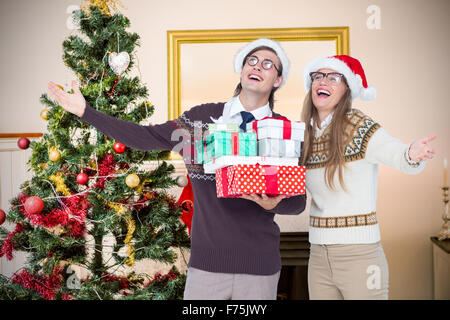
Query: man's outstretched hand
x=73, y=103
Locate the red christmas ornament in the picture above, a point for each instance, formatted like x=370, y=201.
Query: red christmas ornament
x=2, y=216
x=34, y=205
x=119, y=147
x=23, y=143
x=82, y=178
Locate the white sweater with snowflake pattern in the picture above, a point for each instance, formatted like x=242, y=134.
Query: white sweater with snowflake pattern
x=349, y=217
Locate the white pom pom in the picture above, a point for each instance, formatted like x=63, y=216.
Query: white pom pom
x=368, y=94
x=182, y=181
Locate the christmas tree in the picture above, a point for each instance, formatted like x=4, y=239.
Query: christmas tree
x=87, y=188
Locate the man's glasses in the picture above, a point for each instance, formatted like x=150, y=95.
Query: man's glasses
x=332, y=77
x=266, y=63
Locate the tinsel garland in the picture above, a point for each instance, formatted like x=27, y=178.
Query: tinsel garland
x=60, y=185
x=71, y=216
x=171, y=275
x=106, y=167
x=103, y=5
x=46, y=286
x=76, y=207
x=8, y=244
x=120, y=210
x=131, y=227
x=124, y=281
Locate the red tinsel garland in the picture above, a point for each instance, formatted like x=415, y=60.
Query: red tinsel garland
x=106, y=167
x=46, y=286
x=170, y=275
x=71, y=216
x=66, y=296
x=8, y=244
x=124, y=282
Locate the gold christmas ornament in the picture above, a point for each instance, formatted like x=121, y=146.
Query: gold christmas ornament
x=44, y=114
x=54, y=154
x=132, y=180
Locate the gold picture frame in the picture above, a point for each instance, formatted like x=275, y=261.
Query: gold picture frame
x=339, y=35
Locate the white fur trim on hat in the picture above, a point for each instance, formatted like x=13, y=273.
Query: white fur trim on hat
x=242, y=53
x=354, y=81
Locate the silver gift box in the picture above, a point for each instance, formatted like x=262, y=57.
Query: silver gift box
x=279, y=148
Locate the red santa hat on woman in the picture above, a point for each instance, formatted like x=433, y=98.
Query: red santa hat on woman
x=352, y=70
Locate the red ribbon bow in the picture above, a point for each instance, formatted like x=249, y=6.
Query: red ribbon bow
x=287, y=130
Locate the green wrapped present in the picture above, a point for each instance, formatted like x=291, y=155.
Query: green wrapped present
x=204, y=154
x=222, y=143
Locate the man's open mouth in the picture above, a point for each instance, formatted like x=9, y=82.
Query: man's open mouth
x=255, y=77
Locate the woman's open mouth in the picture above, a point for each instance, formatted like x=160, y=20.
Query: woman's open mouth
x=323, y=94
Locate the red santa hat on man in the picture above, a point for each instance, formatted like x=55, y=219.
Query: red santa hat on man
x=263, y=42
x=352, y=70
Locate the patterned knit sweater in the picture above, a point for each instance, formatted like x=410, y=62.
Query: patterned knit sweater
x=227, y=235
x=340, y=217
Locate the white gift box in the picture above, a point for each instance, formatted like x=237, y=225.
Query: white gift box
x=227, y=127
x=277, y=129
x=279, y=148
x=225, y=161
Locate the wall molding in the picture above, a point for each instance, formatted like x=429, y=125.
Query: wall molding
x=21, y=135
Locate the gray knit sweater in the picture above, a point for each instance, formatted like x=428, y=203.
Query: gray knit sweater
x=228, y=235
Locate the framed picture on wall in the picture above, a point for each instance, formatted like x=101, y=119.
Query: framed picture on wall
x=200, y=63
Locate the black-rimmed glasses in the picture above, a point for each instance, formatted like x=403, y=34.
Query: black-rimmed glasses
x=266, y=63
x=332, y=77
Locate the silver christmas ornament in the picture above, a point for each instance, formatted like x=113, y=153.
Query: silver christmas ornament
x=119, y=62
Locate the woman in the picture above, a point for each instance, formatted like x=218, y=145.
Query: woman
x=342, y=150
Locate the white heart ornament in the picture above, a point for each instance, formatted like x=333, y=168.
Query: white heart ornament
x=119, y=62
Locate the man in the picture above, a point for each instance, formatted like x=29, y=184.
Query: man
x=234, y=242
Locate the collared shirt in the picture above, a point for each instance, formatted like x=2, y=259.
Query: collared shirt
x=323, y=124
x=232, y=112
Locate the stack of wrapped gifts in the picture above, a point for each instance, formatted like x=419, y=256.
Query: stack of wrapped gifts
x=262, y=160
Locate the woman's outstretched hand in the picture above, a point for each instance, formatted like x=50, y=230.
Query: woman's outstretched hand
x=420, y=150
x=264, y=201
x=73, y=103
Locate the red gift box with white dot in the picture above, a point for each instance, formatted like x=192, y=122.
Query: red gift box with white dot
x=233, y=181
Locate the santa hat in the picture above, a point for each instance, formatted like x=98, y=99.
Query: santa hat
x=352, y=70
x=240, y=56
x=186, y=201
